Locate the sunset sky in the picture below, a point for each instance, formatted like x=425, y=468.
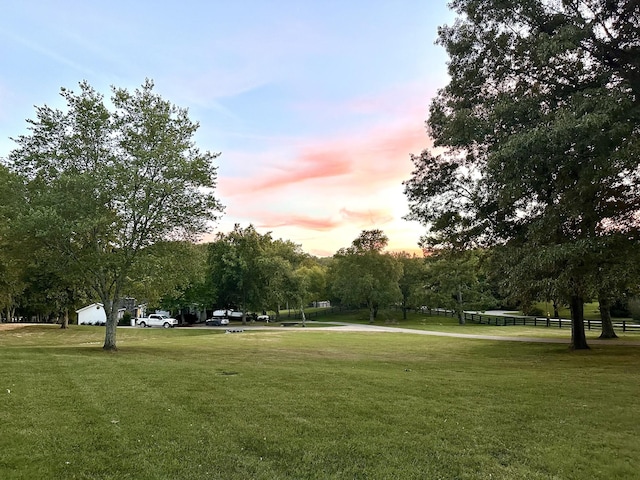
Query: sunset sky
x=315, y=106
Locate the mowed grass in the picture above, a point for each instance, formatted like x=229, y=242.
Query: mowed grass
x=311, y=404
x=440, y=323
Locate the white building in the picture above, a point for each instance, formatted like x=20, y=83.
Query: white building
x=93, y=314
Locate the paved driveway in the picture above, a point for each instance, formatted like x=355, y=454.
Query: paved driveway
x=353, y=327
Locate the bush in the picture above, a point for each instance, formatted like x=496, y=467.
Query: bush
x=634, y=308
x=125, y=320
x=532, y=310
x=620, y=309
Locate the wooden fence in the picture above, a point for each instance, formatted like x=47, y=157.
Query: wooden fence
x=505, y=320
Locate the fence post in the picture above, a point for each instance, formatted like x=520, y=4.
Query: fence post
x=624, y=325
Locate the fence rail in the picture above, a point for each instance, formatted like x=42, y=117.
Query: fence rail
x=506, y=320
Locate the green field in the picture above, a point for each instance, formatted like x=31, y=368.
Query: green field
x=306, y=403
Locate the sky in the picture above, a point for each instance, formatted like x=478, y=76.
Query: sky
x=314, y=106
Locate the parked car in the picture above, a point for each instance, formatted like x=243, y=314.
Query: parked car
x=217, y=322
x=157, y=320
x=263, y=318
x=228, y=313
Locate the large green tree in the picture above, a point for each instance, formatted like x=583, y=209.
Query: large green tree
x=539, y=135
x=13, y=259
x=412, y=283
x=107, y=182
x=252, y=271
x=456, y=280
x=364, y=274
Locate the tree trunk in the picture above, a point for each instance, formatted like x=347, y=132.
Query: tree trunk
x=459, y=307
x=372, y=315
x=404, y=311
x=605, y=316
x=65, y=319
x=578, y=338
x=304, y=318
x=110, y=331
x=556, y=309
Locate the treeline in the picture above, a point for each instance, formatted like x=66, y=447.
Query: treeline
x=253, y=272
x=531, y=192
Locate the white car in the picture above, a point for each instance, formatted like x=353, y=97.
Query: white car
x=157, y=320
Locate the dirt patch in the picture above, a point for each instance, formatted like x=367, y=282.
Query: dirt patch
x=12, y=326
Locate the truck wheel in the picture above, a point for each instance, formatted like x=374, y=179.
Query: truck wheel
x=143, y=324
x=166, y=325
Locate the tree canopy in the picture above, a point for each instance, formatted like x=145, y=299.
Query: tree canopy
x=364, y=274
x=539, y=135
x=106, y=184
x=253, y=271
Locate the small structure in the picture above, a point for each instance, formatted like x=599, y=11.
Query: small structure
x=93, y=314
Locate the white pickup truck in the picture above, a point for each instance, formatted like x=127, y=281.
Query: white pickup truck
x=157, y=320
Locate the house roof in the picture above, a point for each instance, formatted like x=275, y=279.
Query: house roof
x=93, y=305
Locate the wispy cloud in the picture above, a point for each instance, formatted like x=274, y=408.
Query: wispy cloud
x=337, y=185
x=305, y=167
x=361, y=162
x=269, y=221
x=367, y=218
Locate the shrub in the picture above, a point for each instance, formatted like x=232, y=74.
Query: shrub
x=532, y=310
x=634, y=308
x=620, y=309
x=125, y=320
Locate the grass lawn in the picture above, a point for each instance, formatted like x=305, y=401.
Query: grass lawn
x=420, y=321
x=311, y=404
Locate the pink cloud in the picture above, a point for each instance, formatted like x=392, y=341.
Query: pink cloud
x=324, y=191
x=364, y=161
x=306, y=166
x=310, y=223
x=368, y=217
x=310, y=165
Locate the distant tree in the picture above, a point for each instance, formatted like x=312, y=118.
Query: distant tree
x=233, y=268
x=13, y=260
x=412, y=283
x=615, y=274
x=172, y=275
x=364, y=274
x=106, y=185
x=53, y=289
x=538, y=130
x=315, y=274
x=308, y=282
x=252, y=271
x=456, y=280
x=278, y=265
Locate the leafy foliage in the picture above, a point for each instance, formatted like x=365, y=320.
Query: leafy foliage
x=254, y=272
x=412, y=283
x=539, y=128
x=457, y=281
x=105, y=186
x=363, y=274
